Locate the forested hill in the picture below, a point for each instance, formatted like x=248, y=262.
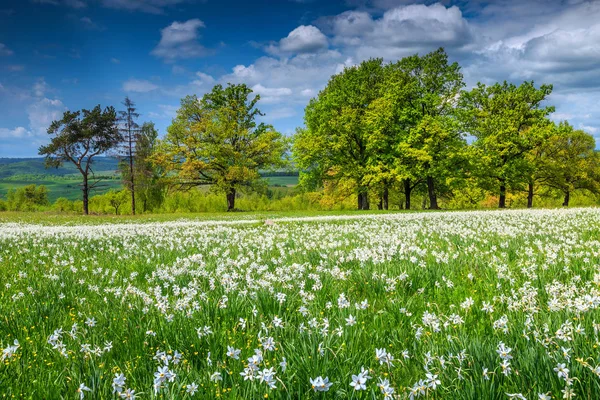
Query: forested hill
x=35, y=166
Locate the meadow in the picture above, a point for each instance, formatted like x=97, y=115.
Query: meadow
x=439, y=305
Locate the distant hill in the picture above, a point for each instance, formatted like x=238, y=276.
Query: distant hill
x=65, y=181
x=35, y=166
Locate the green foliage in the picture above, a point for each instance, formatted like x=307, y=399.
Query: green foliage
x=502, y=118
x=27, y=198
x=216, y=141
x=78, y=138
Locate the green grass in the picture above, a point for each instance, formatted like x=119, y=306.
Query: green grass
x=62, y=187
x=150, y=284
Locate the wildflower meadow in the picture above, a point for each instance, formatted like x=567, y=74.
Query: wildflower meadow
x=444, y=305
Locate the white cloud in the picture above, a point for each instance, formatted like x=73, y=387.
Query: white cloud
x=401, y=31
x=40, y=87
x=303, y=39
x=139, y=86
x=42, y=113
x=278, y=92
x=203, y=80
x=17, y=133
x=180, y=40
x=5, y=51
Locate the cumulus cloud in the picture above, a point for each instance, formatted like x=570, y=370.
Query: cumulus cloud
x=180, y=40
x=139, y=86
x=400, y=31
x=41, y=114
x=16, y=133
x=303, y=39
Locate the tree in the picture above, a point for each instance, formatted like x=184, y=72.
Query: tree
x=334, y=144
x=536, y=159
x=116, y=199
x=570, y=162
x=147, y=174
x=27, y=198
x=217, y=141
x=130, y=133
x=435, y=87
x=500, y=117
x=79, y=137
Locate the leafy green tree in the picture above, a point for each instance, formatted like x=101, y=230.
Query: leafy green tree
x=570, y=162
x=27, y=198
x=116, y=199
x=501, y=117
x=537, y=158
x=217, y=141
x=78, y=138
x=433, y=136
x=335, y=143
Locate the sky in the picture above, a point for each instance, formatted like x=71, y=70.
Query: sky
x=72, y=54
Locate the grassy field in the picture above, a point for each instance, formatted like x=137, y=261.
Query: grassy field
x=448, y=305
x=61, y=187
x=70, y=187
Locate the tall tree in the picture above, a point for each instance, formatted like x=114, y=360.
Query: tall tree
x=148, y=175
x=217, y=141
x=78, y=138
x=130, y=133
x=500, y=117
x=335, y=141
x=435, y=87
x=536, y=159
x=570, y=162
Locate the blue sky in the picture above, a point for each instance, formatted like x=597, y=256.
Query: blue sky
x=72, y=54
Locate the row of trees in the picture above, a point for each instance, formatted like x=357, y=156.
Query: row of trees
x=407, y=125
x=215, y=141
x=376, y=128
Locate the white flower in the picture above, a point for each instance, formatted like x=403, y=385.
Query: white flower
x=320, y=385
x=216, y=377
x=350, y=321
x=82, y=389
x=192, y=388
x=233, y=353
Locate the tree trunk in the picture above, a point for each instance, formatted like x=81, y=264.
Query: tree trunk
x=363, y=199
x=433, y=204
x=530, y=195
x=132, y=184
x=86, y=190
x=231, y=199
x=407, y=190
x=502, y=201
x=380, y=204
x=567, y=198
x=386, y=198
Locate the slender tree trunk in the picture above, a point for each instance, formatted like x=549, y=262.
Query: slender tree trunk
x=530, y=195
x=502, y=201
x=86, y=190
x=407, y=190
x=131, y=172
x=380, y=204
x=567, y=198
x=386, y=198
x=433, y=204
x=231, y=199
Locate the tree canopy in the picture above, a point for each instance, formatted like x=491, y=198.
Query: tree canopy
x=217, y=141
